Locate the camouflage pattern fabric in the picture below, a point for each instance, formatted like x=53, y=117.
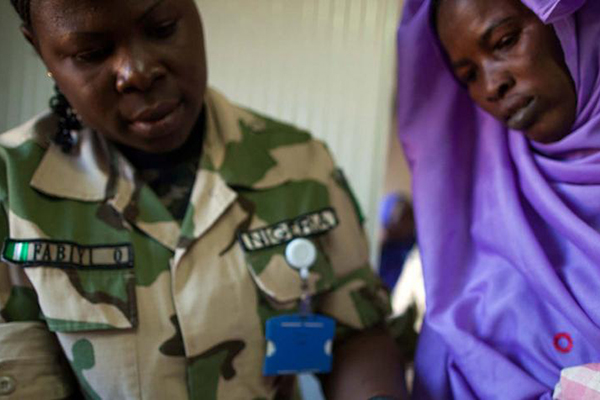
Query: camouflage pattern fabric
x=98, y=272
x=173, y=186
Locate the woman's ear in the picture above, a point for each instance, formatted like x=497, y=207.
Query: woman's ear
x=28, y=34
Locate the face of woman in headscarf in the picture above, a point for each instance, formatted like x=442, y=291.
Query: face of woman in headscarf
x=134, y=70
x=511, y=63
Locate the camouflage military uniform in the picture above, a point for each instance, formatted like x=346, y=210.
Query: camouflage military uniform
x=97, y=272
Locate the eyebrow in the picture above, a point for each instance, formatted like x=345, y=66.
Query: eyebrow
x=150, y=9
x=490, y=29
x=485, y=38
x=85, y=35
x=459, y=64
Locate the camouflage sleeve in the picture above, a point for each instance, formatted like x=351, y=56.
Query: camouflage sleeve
x=357, y=299
x=31, y=362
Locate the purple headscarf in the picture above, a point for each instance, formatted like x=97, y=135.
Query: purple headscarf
x=508, y=229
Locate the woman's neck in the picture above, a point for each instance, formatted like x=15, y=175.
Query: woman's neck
x=191, y=148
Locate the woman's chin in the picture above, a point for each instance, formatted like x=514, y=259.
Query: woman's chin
x=161, y=145
x=546, y=133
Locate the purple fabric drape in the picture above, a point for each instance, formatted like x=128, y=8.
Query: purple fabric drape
x=508, y=229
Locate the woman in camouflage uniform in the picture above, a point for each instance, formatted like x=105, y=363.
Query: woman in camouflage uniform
x=143, y=269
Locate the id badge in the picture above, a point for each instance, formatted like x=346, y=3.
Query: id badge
x=299, y=344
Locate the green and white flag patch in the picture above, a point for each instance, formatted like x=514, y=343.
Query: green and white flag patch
x=17, y=251
x=71, y=255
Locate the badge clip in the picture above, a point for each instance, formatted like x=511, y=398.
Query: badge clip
x=299, y=343
x=301, y=255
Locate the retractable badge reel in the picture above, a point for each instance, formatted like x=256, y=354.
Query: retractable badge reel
x=299, y=343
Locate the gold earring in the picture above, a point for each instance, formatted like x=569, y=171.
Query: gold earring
x=49, y=74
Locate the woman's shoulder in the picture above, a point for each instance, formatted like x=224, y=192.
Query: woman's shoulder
x=23, y=147
x=237, y=122
x=264, y=151
x=34, y=133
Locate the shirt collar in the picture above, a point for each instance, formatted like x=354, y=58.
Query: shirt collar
x=82, y=174
x=85, y=173
x=95, y=171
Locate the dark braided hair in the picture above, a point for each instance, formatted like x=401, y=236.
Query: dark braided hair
x=67, y=119
x=23, y=8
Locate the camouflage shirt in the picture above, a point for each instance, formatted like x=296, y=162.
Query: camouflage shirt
x=103, y=292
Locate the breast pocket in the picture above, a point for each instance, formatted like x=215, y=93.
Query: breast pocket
x=79, y=288
x=280, y=283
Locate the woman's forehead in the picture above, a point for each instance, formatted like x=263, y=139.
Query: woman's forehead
x=476, y=17
x=73, y=13
x=451, y=9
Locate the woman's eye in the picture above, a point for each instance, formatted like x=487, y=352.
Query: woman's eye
x=163, y=31
x=506, y=42
x=468, y=77
x=91, y=56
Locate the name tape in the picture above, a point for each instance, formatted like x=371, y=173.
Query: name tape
x=58, y=254
x=282, y=232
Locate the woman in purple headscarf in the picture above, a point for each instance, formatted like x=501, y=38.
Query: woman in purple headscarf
x=500, y=120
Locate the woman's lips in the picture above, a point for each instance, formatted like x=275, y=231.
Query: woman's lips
x=524, y=115
x=157, y=120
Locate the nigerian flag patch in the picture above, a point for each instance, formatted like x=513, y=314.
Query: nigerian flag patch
x=16, y=251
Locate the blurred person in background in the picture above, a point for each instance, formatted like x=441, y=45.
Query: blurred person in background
x=397, y=236
x=145, y=221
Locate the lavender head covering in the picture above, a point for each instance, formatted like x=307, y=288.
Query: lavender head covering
x=508, y=229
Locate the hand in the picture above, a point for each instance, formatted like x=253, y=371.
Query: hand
x=366, y=366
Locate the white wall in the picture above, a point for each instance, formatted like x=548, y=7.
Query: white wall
x=325, y=65
x=24, y=87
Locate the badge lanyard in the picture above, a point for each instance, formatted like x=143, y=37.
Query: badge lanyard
x=302, y=342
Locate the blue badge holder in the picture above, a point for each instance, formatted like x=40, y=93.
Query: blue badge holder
x=299, y=343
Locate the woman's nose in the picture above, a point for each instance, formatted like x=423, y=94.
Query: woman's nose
x=498, y=82
x=137, y=70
